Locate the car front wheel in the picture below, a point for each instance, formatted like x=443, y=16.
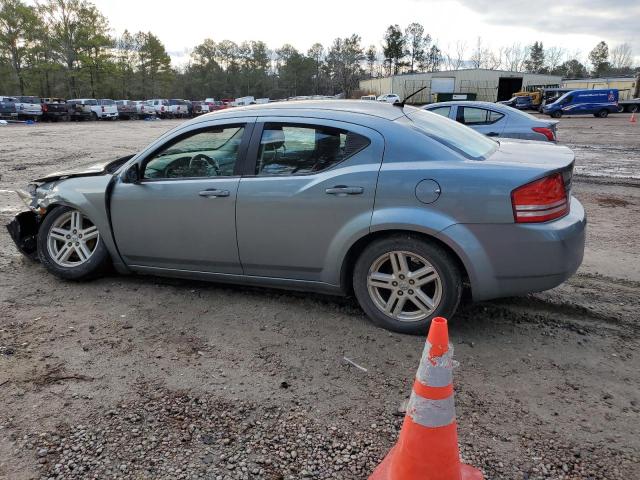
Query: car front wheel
x=402, y=282
x=70, y=246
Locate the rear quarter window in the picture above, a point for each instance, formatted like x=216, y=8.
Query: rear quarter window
x=451, y=134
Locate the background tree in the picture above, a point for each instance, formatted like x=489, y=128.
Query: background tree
x=535, y=62
x=316, y=54
x=18, y=25
x=416, y=42
x=571, y=69
x=622, y=59
x=343, y=61
x=599, y=58
x=393, y=48
x=371, y=56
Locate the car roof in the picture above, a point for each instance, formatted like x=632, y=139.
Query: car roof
x=362, y=107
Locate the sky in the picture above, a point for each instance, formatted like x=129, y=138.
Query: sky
x=576, y=25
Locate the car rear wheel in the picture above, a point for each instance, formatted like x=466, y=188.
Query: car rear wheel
x=602, y=113
x=402, y=282
x=556, y=114
x=69, y=245
x=634, y=108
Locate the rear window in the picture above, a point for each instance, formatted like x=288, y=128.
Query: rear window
x=107, y=102
x=28, y=99
x=91, y=102
x=452, y=134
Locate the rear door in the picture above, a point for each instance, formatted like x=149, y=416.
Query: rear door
x=310, y=191
x=483, y=120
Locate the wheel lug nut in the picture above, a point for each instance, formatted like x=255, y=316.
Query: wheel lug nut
x=400, y=293
x=69, y=244
x=75, y=231
x=79, y=235
x=401, y=277
x=77, y=243
x=68, y=236
x=395, y=284
x=410, y=292
x=411, y=282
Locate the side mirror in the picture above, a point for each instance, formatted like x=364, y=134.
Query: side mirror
x=132, y=174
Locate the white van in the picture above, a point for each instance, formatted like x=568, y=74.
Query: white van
x=242, y=101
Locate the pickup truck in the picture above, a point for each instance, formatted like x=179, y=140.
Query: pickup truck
x=28, y=107
x=160, y=106
x=54, y=109
x=178, y=108
x=8, y=108
x=82, y=109
x=127, y=109
x=106, y=109
x=143, y=110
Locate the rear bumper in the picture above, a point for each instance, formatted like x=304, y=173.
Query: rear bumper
x=514, y=259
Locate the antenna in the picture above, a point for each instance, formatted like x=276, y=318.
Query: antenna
x=404, y=100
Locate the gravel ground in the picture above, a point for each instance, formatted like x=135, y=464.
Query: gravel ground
x=142, y=377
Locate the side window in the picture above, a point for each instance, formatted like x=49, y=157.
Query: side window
x=208, y=153
x=493, y=117
x=294, y=149
x=477, y=116
x=444, y=111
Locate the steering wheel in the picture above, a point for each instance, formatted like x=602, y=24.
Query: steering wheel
x=202, y=158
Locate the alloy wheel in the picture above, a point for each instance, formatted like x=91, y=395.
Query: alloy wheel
x=72, y=239
x=404, y=286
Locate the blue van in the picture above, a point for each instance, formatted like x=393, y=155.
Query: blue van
x=581, y=102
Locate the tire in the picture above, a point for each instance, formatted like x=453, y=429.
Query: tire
x=633, y=108
x=94, y=116
x=444, y=290
x=620, y=108
x=556, y=114
x=602, y=113
x=70, y=267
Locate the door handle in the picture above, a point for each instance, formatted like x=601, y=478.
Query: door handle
x=492, y=134
x=213, y=192
x=344, y=190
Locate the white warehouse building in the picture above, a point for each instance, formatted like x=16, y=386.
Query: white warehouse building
x=487, y=85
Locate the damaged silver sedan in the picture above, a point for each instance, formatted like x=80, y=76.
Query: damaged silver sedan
x=400, y=206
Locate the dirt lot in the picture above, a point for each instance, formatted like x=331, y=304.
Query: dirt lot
x=140, y=377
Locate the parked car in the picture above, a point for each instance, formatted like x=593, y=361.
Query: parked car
x=8, y=108
x=127, y=109
x=178, y=108
x=399, y=205
x=389, y=98
x=521, y=102
x=160, y=106
x=368, y=97
x=496, y=120
x=106, y=109
x=54, y=109
x=82, y=109
x=218, y=105
x=599, y=102
x=28, y=107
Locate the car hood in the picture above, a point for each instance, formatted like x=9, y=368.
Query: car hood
x=534, y=153
x=102, y=168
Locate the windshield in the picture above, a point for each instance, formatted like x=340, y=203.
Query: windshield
x=107, y=102
x=28, y=99
x=452, y=134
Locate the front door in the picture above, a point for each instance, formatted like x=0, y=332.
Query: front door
x=310, y=194
x=181, y=215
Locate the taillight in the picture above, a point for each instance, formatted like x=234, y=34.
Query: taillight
x=547, y=132
x=44, y=107
x=162, y=109
x=103, y=108
x=540, y=201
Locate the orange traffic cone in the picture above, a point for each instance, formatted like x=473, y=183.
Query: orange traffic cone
x=633, y=118
x=427, y=448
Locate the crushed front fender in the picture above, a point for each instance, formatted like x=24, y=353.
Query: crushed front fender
x=24, y=232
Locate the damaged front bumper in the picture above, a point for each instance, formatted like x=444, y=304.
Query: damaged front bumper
x=24, y=232
x=23, y=229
